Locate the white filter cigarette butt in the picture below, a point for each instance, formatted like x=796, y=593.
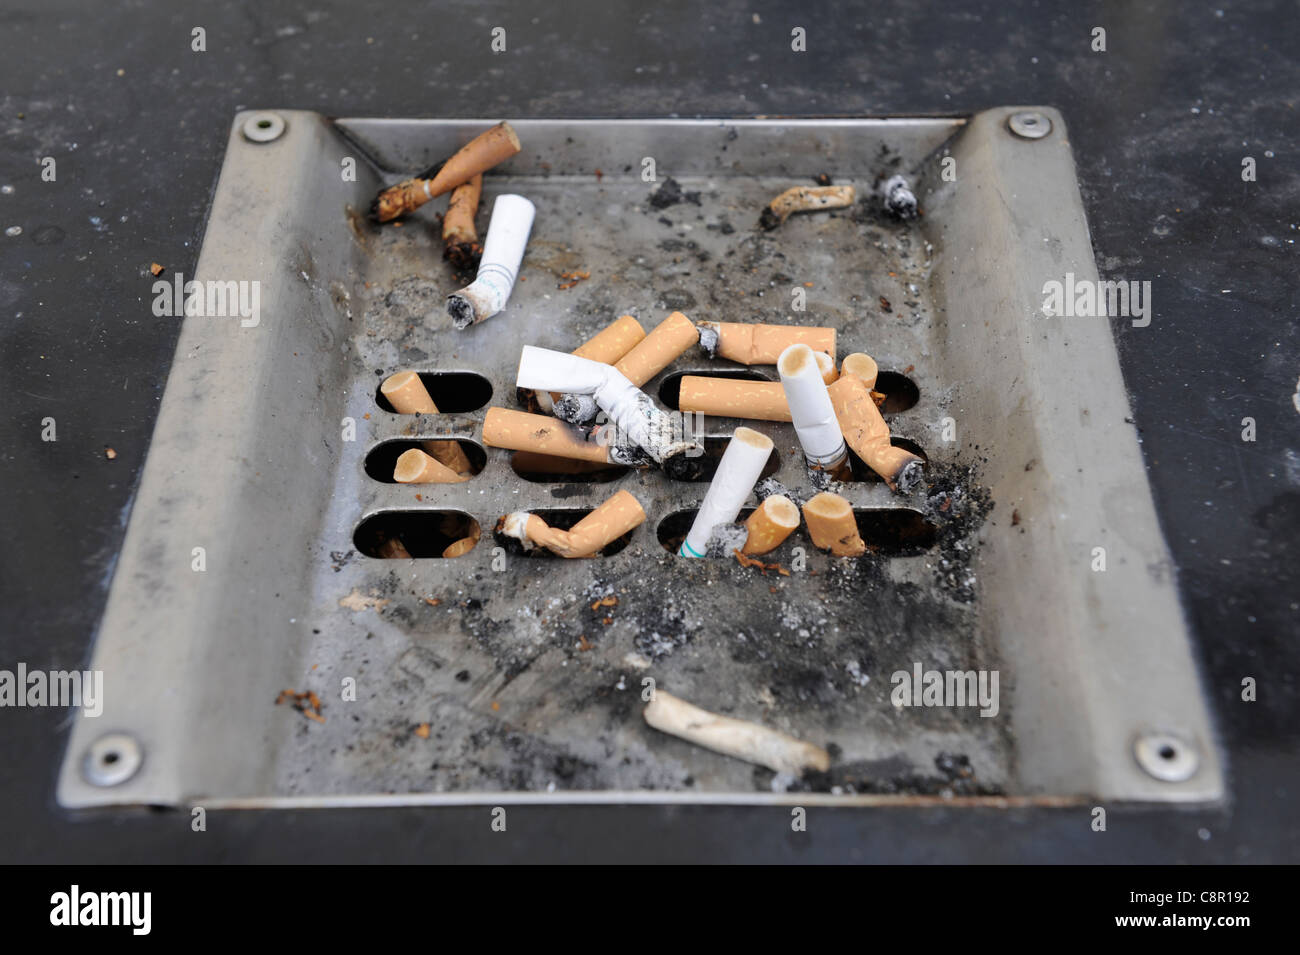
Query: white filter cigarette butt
x=631, y=411
x=810, y=408
x=826, y=365
x=503, y=250
x=742, y=463
x=778, y=751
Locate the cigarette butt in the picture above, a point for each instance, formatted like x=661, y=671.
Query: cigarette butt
x=478, y=155
x=521, y=431
x=393, y=549
x=407, y=394
x=503, y=251
x=728, y=398
x=618, y=515
x=613, y=341
x=396, y=201
x=777, y=751
x=861, y=366
x=743, y=461
x=659, y=349
x=460, y=548
x=868, y=435
x=761, y=344
x=416, y=467
x=826, y=365
x=773, y=521
x=459, y=237
x=805, y=199
x=832, y=526
x=810, y=408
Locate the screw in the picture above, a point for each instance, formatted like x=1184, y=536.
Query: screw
x=263, y=127
x=1029, y=124
x=1166, y=757
x=112, y=759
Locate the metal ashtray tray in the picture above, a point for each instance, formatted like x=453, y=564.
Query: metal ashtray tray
x=1030, y=553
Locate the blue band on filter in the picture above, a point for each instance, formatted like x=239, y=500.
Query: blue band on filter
x=682, y=551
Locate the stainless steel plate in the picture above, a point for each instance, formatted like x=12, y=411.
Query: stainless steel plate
x=244, y=572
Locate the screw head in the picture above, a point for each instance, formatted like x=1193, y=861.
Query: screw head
x=1166, y=757
x=1029, y=124
x=264, y=127
x=112, y=759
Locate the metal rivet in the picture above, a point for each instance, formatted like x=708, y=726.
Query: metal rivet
x=1029, y=124
x=263, y=127
x=1167, y=757
x=112, y=759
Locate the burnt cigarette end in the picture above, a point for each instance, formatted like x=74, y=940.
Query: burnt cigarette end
x=464, y=257
x=771, y=487
x=724, y=539
x=909, y=475
x=898, y=197
x=629, y=455
x=769, y=220
x=461, y=310
x=708, y=338
x=577, y=410
x=681, y=467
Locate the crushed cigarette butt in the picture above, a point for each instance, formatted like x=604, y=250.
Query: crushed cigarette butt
x=614, y=518
x=805, y=199
x=482, y=153
x=751, y=742
x=867, y=433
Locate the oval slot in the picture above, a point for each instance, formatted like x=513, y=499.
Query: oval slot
x=395, y=535
x=900, y=391
x=383, y=457
x=454, y=392
x=548, y=469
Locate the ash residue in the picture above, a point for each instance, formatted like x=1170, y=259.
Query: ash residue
x=955, y=777
x=670, y=194
x=957, y=505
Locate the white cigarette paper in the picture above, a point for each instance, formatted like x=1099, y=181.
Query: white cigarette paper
x=810, y=406
x=631, y=410
x=742, y=463
x=778, y=751
x=503, y=250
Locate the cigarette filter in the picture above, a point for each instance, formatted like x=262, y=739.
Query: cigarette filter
x=826, y=366
x=631, y=411
x=729, y=398
x=831, y=525
x=605, y=524
x=661, y=347
x=520, y=431
x=459, y=237
x=478, y=155
x=761, y=344
x=503, y=250
x=416, y=467
x=771, y=523
x=407, y=394
x=868, y=435
x=393, y=549
x=810, y=408
x=861, y=366
x=805, y=199
x=778, y=751
x=742, y=463
x=461, y=547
